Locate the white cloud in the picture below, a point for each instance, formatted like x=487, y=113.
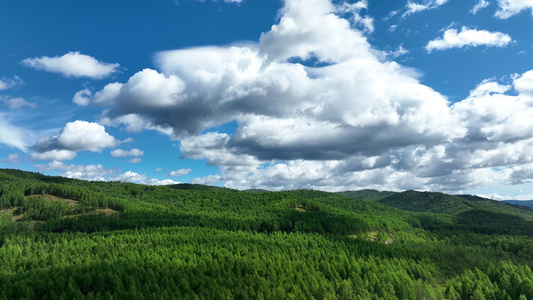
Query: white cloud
x=488, y=87
x=357, y=120
x=305, y=30
x=468, y=37
x=7, y=83
x=134, y=160
x=128, y=140
x=391, y=15
x=16, y=103
x=11, y=135
x=209, y=180
x=82, y=97
x=53, y=165
x=78, y=136
x=179, y=172
x=85, y=97
x=13, y=158
x=73, y=64
x=479, y=6
x=509, y=8
x=100, y=173
x=413, y=7
x=159, y=182
x=496, y=196
x=398, y=52
x=129, y=153
x=355, y=10
x=214, y=147
x=524, y=83
x=57, y=155
x=129, y=176
x=88, y=172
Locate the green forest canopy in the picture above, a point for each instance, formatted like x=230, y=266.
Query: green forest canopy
x=65, y=239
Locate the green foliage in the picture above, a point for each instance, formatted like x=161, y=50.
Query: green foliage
x=197, y=242
x=370, y=195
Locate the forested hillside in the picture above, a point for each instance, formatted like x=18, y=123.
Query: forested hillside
x=371, y=195
x=68, y=239
x=463, y=205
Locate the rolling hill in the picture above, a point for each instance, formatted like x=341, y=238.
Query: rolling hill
x=62, y=238
x=464, y=205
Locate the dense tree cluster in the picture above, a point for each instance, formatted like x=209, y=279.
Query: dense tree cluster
x=195, y=242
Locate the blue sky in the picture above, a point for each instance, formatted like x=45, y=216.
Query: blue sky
x=344, y=95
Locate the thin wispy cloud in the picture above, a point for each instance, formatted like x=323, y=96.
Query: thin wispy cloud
x=479, y=6
x=415, y=7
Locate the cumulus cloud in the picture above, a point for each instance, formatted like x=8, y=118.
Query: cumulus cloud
x=78, y=136
x=89, y=172
x=100, y=173
x=179, y=172
x=154, y=181
x=85, y=172
x=413, y=7
x=509, y=8
x=16, y=103
x=128, y=153
x=524, y=83
x=479, y=6
x=129, y=176
x=73, y=64
x=355, y=120
x=285, y=110
x=57, y=155
x=345, y=101
x=487, y=87
x=81, y=97
x=7, y=83
x=468, y=37
x=74, y=137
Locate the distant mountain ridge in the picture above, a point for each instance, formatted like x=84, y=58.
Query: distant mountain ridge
x=528, y=203
x=469, y=206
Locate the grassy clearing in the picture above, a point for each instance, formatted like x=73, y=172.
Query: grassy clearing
x=106, y=211
x=50, y=198
x=73, y=204
x=11, y=211
x=374, y=236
